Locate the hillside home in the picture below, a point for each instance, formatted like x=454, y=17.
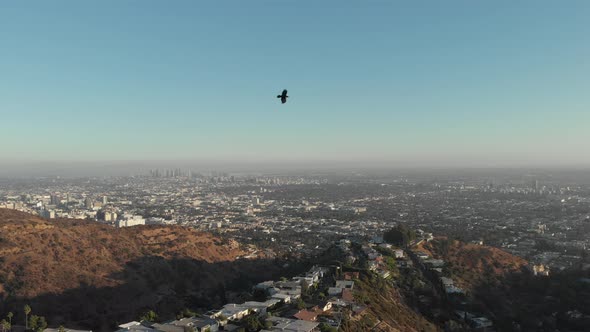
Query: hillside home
x=292, y=325
x=200, y=324
x=234, y=311
x=345, y=284
x=334, y=291
x=135, y=327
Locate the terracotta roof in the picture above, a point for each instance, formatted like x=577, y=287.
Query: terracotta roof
x=347, y=295
x=306, y=315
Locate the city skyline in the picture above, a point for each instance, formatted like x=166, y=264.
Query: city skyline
x=394, y=84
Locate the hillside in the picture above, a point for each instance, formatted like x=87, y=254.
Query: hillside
x=91, y=275
x=511, y=295
x=469, y=264
x=387, y=309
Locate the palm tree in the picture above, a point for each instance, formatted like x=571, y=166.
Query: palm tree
x=27, y=312
x=5, y=325
x=9, y=316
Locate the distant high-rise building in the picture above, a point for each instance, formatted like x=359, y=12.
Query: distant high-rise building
x=88, y=203
x=54, y=200
x=105, y=200
x=128, y=221
x=110, y=216
x=48, y=214
x=256, y=200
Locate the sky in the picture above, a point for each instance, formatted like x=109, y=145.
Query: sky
x=484, y=83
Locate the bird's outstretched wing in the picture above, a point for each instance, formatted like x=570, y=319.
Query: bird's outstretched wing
x=285, y=92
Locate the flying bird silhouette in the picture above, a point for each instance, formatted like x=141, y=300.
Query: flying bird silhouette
x=283, y=96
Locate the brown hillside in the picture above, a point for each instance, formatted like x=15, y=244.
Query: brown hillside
x=90, y=275
x=387, y=309
x=469, y=264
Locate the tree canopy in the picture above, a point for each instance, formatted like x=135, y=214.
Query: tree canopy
x=400, y=235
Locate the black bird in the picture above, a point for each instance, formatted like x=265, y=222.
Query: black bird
x=283, y=96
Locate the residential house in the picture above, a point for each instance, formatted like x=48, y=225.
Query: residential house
x=135, y=327
x=351, y=275
x=200, y=324
x=434, y=263
x=234, y=311
x=306, y=315
x=265, y=285
x=345, y=284
x=347, y=295
x=338, y=302
x=292, y=325
x=286, y=298
x=334, y=291
x=325, y=305
x=480, y=323
x=422, y=255
x=447, y=282
x=168, y=328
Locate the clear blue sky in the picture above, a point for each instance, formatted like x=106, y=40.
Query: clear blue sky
x=473, y=82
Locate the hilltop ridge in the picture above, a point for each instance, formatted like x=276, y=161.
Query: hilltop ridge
x=56, y=265
x=469, y=264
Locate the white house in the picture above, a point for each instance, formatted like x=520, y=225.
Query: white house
x=345, y=284
x=334, y=291
x=286, y=298
x=135, y=327
x=234, y=311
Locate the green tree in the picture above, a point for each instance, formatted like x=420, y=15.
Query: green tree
x=27, y=310
x=327, y=328
x=268, y=325
x=33, y=322
x=259, y=295
x=5, y=325
x=9, y=316
x=304, y=287
x=399, y=235
x=300, y=304
x=61, y=329
x=252, y=323
x=395, y=236
x=41, y=324
x=149, y=316
x=188, y=313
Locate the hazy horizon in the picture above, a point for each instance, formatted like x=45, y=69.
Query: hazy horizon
x=128, y=168
x=382, y=84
